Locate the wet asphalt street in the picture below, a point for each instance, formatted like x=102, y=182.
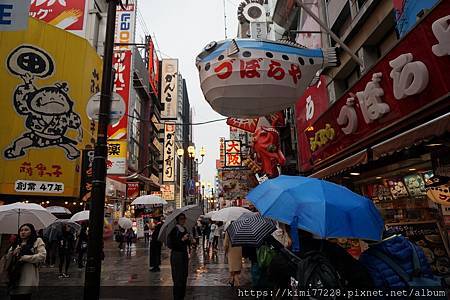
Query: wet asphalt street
x=126, y=275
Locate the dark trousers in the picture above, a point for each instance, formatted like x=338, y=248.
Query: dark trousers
x=179, y=262
x=81, y=252
x=64, y=257
x=155, y=254
x=146, y=237
x=215, y=242
x=52, y=250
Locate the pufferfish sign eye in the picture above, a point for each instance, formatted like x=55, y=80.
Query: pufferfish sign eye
x=210, y=46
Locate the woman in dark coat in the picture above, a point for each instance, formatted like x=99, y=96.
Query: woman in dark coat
x=65, y=249
x=155, y=248
x=178, y=242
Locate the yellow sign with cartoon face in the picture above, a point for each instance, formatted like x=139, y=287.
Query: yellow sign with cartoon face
x=47, y=76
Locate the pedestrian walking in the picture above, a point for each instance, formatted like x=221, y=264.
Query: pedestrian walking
x=212, y=234
x=82, y=244
x=129, y=236
x=120, y=238
x=25, y=255
x=155, y=248
x=65, y=249
x=178, y=241
x=205, y=235
x=234, y=255
x=217, y=234
x=52, y=250
x=146, y=233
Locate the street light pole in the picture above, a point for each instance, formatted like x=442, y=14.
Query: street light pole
x=95, y=239
x=180, y=153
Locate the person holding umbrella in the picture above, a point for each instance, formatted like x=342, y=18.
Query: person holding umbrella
x=26, y=253
x=65, y=248
x=155, y=247
x=234, y=261
x=82, y=244
x=179, y=241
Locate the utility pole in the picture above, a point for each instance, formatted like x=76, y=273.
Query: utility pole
x=95, y=242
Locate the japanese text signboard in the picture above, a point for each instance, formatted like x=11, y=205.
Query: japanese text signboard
x=14, y=15
x=153, y=68
x=125, y=26
x=168, y=192
x=169, y=153
x=122, y=86
x=117, y=157
x=65, y=14
x=87, y=175
x=46, y=90
x=406, y=80
x=233, y=153
x=307, y=110
x=169, y=88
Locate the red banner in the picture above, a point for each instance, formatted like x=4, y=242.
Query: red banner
x=409, y=78
x=307, y=110
x=122, y=77
x=153, y=67
x=65, y=14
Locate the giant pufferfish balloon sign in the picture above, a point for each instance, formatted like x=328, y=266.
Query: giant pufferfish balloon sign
x=250, y=78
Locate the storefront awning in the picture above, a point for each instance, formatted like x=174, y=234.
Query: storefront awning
x=345, y=164
x=415, y=136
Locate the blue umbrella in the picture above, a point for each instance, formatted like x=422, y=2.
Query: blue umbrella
x=323, y=208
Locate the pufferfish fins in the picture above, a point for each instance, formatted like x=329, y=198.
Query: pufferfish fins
x=233, y=48
x=330, y=57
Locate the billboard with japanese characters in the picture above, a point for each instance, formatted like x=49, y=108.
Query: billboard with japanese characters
x=169, y=88
x=169, y=153
x=65, y=14
x=122, y=86
x=117, y=157
x=407, y=81
x=125, y=26
x=46, y=87
x=233, y=153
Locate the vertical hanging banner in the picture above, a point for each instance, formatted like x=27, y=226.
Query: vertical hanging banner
x=14, y=15
x=222, y=152
x=153, y=67
x=87, y=175
x=125, y=26
x=122, y=83
x=169, y=153
x=65, y=14
x=169, y=88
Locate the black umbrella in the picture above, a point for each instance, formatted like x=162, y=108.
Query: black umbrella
x=250, y=230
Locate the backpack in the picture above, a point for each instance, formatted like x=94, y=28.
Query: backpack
x=264, y=256
x=416, y=279
x=314, y=270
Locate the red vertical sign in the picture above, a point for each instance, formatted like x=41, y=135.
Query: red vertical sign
x=122, y=77
x=308, y=108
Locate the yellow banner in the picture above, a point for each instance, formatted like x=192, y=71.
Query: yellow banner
x=47, y=76
x=117, y=157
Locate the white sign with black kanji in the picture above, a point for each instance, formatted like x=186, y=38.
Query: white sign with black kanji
x=28, y=186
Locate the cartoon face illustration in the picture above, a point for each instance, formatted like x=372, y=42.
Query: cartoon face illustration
x=50, y=100
x=48, y=111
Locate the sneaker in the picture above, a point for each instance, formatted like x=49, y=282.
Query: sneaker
x=52, y=266
x=65, y=275
x=61, y=276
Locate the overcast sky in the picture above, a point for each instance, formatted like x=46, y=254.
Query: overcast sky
x=182, y=28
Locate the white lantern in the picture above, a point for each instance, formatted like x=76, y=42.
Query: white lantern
x=250, y=78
